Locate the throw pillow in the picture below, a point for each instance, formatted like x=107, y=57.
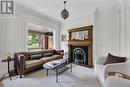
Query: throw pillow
x=114, y=59
x=36, y=56
x=48, y=54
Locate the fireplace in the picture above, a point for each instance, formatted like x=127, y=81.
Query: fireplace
x=80, y=55
x=80, y=45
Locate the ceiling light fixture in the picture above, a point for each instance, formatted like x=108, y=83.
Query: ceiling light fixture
x=64, y=13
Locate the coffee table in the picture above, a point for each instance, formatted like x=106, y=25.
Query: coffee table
x=59, y=66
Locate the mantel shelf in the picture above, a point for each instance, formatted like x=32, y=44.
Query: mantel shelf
x=80, y=43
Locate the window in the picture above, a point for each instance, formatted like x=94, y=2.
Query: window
x=39, y=38
x=34, y=42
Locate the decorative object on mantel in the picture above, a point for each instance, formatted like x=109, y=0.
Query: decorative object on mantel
x=64, y=13
x=7, y=60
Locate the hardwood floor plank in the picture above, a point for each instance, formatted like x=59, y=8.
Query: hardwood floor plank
x=1, y=84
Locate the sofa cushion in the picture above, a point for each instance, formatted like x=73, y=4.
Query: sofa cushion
x=46, y=59
x=56, y=57
x=48, y=53
x=114, y=59
x=32, y=63
x=35, y=56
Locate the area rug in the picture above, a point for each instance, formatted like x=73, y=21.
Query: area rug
x=79, y=77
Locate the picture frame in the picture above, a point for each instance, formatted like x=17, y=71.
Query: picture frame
x=64, y=37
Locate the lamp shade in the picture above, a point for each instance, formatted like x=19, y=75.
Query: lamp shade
x=64, y=14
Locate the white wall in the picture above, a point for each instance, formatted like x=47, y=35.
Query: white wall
x=128, y=27
x=13, y=32
x=3, y=36
x=107, y=32
x=125, y=28
x=3, y=44
x=127, y=40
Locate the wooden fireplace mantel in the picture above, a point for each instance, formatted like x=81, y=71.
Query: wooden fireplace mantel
x=84, y=42
x=80, y=42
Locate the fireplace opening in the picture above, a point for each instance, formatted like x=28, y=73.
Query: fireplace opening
x=80, y=55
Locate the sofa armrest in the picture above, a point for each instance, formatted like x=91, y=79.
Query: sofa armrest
x=100, y=60
x=22, y=65
x=60, y=52
x=19, y=63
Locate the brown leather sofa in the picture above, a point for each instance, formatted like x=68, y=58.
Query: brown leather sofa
x=27, y=61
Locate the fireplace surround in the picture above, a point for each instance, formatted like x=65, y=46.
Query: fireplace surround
x=80, y=46
x=79, y=54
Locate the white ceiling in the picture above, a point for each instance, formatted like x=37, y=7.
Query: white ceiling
x=76, y=8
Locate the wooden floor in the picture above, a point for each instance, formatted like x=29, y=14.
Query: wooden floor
x=1, y=85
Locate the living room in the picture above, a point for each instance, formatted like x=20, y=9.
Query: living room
x=100, y=25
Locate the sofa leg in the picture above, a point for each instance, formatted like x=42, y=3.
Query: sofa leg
x=47, y=72
x=20, y=76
